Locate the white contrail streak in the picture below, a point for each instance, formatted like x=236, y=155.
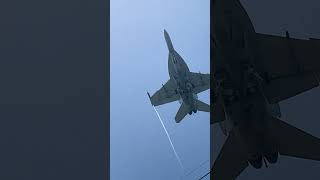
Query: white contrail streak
x=174, y=150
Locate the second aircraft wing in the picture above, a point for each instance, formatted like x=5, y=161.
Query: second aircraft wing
x=166, y=94
x=201, y=82
x=290, y=66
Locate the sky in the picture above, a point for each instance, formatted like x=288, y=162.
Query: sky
x=139, y=63
x=301, y=19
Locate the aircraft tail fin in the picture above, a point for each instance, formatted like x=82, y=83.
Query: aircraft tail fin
x=291, y=141
x=201, y=106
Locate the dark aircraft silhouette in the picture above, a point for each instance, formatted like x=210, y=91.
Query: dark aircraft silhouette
x=251, y=74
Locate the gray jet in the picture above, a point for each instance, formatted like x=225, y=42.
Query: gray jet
x=183, y=85
x=251, y=74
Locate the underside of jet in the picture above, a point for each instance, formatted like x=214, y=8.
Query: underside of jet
x=288, y=67
x=183, y=86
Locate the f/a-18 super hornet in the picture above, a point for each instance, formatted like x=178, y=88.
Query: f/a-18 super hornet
x=183, y=85
x=251, y=74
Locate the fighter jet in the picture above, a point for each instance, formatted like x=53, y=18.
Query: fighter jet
x=183, y=85
x=252, y=73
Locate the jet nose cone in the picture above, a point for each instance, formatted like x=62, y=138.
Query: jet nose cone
x=165, y=33
x=168, y=41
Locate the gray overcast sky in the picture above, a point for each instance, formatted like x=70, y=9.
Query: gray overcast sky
x=139, y=63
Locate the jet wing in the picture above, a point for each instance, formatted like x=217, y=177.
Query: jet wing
x=231, y=161
x=290, y=66
x=166, y=94
x=201, y=82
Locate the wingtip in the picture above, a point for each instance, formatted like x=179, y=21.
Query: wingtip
x=149, y=98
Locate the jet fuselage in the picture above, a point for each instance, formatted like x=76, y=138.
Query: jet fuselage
x=183, y=86
x=180, y=73
x=239, y=83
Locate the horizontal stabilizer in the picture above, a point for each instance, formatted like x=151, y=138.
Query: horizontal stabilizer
x=231, y=161
x=294, y=142
x=182, y=112
x=201, y=106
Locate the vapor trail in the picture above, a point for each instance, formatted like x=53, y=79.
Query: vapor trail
x=203, y=163
x=174, y=150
